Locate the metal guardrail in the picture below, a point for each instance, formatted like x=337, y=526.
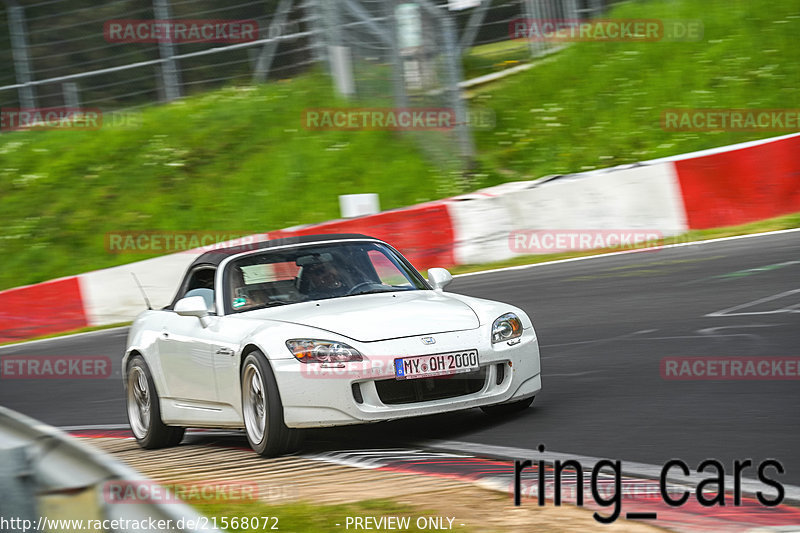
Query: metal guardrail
x=46, y=476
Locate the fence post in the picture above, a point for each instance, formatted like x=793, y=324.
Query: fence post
x=452, y=66
x=398, y=68
x=169, y=67
x=454, y=77
x=474, y=25
x=338, y=54
x=571, y=10
x=71, y=96
x=19, y=44
x=311, y=13
x=534, y=14
x=264, y=61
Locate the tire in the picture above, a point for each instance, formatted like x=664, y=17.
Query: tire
x=144, y=411
x=505, y=409
x=262, y=409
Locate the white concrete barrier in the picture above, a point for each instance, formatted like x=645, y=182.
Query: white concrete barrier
x=645, y=198
x=111, y=295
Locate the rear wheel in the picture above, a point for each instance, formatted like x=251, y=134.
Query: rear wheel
x=144, y=412
x=262, y=409
x=510, y=408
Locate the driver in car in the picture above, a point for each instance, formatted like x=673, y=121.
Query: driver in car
x=324, y=280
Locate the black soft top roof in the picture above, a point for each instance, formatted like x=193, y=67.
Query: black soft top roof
x=215, y=257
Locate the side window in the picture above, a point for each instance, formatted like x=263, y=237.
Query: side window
x=387, y=271
x=201, y=283
x=202, y=278
x=254, y=284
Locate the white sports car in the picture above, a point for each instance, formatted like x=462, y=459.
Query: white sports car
x=318, y=331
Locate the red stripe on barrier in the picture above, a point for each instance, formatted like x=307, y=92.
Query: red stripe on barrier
x=51, y=307
x=424, y=234
x=740, y=186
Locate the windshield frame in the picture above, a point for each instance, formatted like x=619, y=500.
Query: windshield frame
x=223, y=290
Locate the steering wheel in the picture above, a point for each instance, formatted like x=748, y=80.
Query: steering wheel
x=358, y=285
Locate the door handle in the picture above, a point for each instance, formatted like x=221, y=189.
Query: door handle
x=224, y=351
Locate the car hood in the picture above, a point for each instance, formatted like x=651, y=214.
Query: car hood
x=374, y=317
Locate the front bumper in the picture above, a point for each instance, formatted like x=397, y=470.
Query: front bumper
x=315, y=396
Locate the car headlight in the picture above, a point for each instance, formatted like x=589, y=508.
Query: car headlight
x=506, y=327
x=317, y=351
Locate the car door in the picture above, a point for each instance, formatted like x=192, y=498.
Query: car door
x=186, y=357
x=187, y=360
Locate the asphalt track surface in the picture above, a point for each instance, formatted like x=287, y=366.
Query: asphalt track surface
x=604, y=326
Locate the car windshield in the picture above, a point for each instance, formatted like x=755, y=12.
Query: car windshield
x=316, y=272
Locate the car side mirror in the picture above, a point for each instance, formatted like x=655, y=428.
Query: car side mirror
x=192, y=306
x=439, y=278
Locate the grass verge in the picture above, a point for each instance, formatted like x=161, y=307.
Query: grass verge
x=599, y=104
x=238, y=159
x=305, y=517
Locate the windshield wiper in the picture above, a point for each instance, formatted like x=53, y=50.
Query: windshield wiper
x=273, y=303
x=376, y=291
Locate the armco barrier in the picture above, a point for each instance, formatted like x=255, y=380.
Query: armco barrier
x=46, y=473
x=724, y=186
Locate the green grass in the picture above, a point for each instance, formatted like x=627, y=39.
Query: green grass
x=493, y=57
x=306, y=517
x=599, y=104
x=238, y=159
x=233, y=160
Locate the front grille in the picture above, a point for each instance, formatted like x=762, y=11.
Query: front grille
x=393, y=391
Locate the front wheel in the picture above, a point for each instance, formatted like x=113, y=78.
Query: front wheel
x=262, y=409
x=505, y=409
x=144, y=412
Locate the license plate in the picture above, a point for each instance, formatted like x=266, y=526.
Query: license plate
x=440, y=364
